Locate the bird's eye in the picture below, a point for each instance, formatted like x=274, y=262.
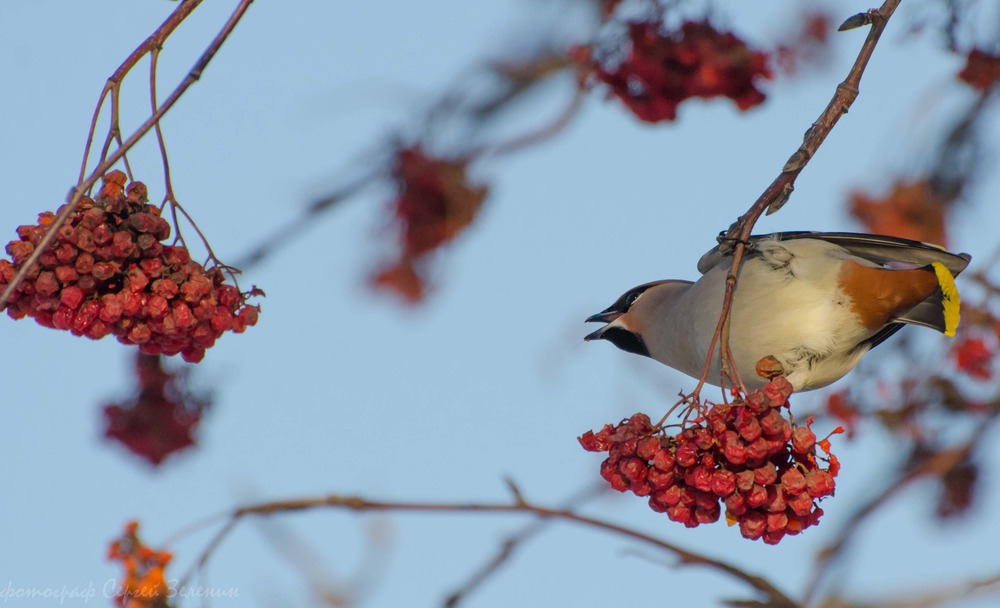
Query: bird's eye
x=632, y=297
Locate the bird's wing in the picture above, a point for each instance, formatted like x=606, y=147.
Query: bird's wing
x=879, y=249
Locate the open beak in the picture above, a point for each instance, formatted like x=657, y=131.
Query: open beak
x=608, y=315
x=605, y=316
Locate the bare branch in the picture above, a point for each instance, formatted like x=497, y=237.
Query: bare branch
x=775, y=597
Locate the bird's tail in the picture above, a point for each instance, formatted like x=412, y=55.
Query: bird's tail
x=941, y=310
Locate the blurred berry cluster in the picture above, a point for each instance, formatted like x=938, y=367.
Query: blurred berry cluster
x=663, y=68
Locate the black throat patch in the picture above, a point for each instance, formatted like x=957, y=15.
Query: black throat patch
x=625, y=340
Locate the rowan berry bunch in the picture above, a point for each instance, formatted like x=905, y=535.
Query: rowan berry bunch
x=435, y=202
x=109, y=272
x=663, y=68
x=744, y=455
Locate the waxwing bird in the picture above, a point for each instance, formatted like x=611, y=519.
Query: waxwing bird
x=816, y=301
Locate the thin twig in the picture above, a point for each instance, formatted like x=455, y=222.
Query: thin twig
x=776, y=598
x=543, y=133
x=154, y=41
x=781, y=188
x=74, y=197
x=512, y=543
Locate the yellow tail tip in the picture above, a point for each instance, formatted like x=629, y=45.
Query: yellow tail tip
x=949, y=299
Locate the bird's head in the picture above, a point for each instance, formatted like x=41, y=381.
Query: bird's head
x=632, y=316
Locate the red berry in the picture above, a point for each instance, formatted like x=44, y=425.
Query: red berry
x=131, y=303
x=85, y=240
x=46, y=284
x=765, y=474
x=687, y=455
x=756, y=497
x=819, y=483
x=736, y=504
x=793, y=481
x=176, y=255
x=20, y=251
x=778, y=390
x=775, y=499
x=165, y=288
x=111, y=308
x=85, y=316
x=803, y=440
x=598, y=442
x=136, y=280
x=772, y=423
x=776, y=521
x=62, y=318
x=66, y=253
x=229, y=297
x=139, y=334
x=103, y=234
x=699, y=478
x=723, y=482
x=753, y=525
x=609, y=471
x=681, y=514
x=647, y=447
x=660, y=479
x=71, y=296
x=800, y=504
x=156, y=307
x=84, y=263
x=66, y=274
x=745, y=480
x=633, y=469
x=104, y=270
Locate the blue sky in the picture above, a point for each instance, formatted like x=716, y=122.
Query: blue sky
x=341, y=390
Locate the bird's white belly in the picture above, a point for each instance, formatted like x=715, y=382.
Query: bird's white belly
x=809, y=329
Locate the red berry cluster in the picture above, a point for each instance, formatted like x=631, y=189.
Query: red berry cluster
x=108, y=272
x=435, y=203
x=744, y=454
x=662, y=69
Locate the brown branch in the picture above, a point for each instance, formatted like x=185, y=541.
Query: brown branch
x=777, y=194
x=775, y=597
x=193, y=75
